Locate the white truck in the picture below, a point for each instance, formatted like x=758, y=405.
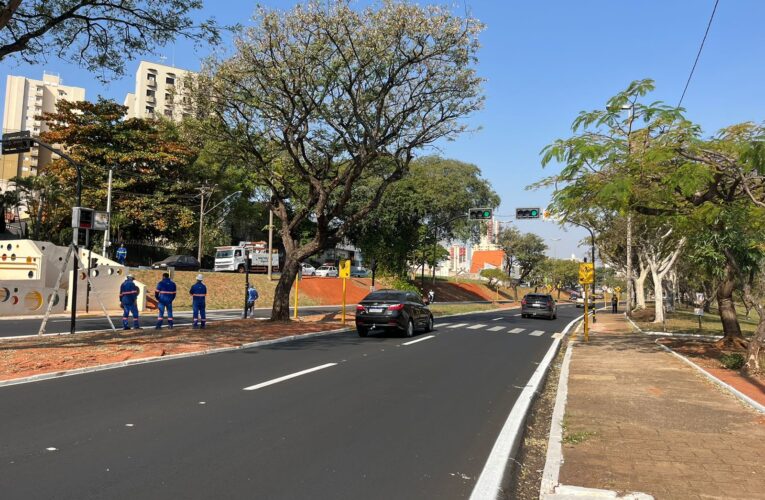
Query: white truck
x=232, y=258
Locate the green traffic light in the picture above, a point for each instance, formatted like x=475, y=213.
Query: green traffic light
x=487, y=214
x=534, y=213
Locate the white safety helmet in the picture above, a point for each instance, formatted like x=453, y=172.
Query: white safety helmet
x=200, y=277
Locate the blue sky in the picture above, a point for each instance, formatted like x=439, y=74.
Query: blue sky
x=544, y=61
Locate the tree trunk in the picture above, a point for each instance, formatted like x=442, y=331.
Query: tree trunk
x=756, y=344
x=732, y=336
x=280, y=311
x=658, y=291
x=640, y=288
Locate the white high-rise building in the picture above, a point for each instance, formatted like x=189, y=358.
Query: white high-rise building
x=25, y=101
x=158, y=92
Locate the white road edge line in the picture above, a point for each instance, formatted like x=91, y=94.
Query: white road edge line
x=489, y=482
x=287, y=377
x=419, y=340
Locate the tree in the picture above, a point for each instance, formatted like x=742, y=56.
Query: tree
x=659, y=247
x=322, y=99
x=153, y=188
x=98, y=35
x=495, y=276
x=422, y=208
x=526, y=251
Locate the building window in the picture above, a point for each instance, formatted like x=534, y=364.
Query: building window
x=61, y=93
x=168, y=97
x=151, y=77
x=150, y=110
x=169, y=113
x=170, y=80
x=150, y=93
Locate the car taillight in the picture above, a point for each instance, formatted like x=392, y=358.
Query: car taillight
x=359, y=307
x=550, y=304
x=523, y=302
x=396, y=307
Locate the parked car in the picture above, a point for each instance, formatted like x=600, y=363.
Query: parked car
x=179, y=262
x=327, y=272
x=307, y=269
x=359, y=272
x=395, y=310
x=580, y=301
x=539, y=304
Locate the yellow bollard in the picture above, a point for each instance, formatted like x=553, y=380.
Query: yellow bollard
x=344, y=280
x=297, y=289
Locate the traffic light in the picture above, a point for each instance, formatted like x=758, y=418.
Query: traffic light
x=527, y=213
x=479, y=213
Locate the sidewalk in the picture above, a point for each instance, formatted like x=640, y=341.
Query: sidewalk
x=638, y=419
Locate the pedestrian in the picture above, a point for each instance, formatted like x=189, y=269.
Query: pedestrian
x=431, y=296
x=129, y=302
x=614, y=303
x=165, y=295
x=252, y=296
x=198, y=295
x=121, y=254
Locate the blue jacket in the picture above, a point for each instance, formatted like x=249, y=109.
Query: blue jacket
x=128, y=293
x=165, y=292
x=198, y=293
x=121, y=252
x=252, y=294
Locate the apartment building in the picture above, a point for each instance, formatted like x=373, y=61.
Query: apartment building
x=158, y=92
x=25, y=101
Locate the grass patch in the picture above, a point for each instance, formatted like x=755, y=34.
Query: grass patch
x=577, y=437
x=446, y=309
x=683, y=320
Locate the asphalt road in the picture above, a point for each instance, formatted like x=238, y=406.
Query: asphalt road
x=59, y=324
x=329, y=417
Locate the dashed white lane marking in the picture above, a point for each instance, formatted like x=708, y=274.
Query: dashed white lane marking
x=496, y=319
x=287, y=377
x=444, y=324
x=496, y=328
x=537, y=333
x=476, y=327
x=516, y=315
x=458, y=325
x=419, y=340
x=516, y=330
x=51, y=448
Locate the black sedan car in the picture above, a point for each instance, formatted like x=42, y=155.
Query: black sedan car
x=393, y=310
x=539, y=304
x=179, y=262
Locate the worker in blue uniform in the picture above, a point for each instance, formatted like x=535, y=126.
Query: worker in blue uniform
x=198, y=295
x=165, y=294
x=121, y=254
x=129, y=302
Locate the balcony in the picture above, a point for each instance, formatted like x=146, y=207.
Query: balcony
x=151, y=99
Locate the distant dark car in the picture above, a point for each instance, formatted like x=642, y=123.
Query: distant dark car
x=359, y=272
x=393, y=310
x=538, y=304
x=179, y=262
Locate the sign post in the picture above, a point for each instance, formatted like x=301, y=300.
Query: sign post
x=344, y=273
x=586, y=277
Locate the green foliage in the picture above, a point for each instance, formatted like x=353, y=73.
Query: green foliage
x=524, y=250
x=732, y=361
x=403, y=284
x=98, y=35
x=495, y=276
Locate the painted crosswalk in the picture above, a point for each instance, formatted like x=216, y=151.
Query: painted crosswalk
x=458, y=325
x=517, y=330
x=476, y=327
x=482, y=327
x=496, y=328
x=537, y=333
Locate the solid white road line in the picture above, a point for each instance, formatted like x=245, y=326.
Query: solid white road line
x=458, y=325
x=419, y=340
x=516, y=315
x=496, y=328
x=496, y=319
x=287, y=377
x=476, y=327
x=537, y=333
x=517, y=330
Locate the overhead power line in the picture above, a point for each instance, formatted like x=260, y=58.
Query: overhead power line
x=698, y=54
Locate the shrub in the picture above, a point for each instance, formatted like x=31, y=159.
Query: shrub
x=402, y=284
x=733, y=361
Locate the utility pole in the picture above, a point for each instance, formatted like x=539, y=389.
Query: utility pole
x=107, y=234
x=203, y=190
x=630, y=293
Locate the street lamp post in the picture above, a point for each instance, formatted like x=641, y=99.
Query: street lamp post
x=630, y=293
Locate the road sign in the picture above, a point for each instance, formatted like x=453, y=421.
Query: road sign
x=82, y=218
x=586, y=273
x=345, y=269
x=527, y=213
x=479, y=213
x=17, y=142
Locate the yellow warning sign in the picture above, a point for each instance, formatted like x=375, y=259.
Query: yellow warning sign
x=345, y=268
x=586, y=273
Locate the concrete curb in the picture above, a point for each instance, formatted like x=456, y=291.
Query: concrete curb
x=489, y=484
x=155, y=359
x=735, y=392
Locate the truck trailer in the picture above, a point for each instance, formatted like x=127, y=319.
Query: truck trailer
x=234, y=258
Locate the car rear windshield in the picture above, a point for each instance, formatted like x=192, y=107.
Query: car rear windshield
x=536, y=297
x=397, y=296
